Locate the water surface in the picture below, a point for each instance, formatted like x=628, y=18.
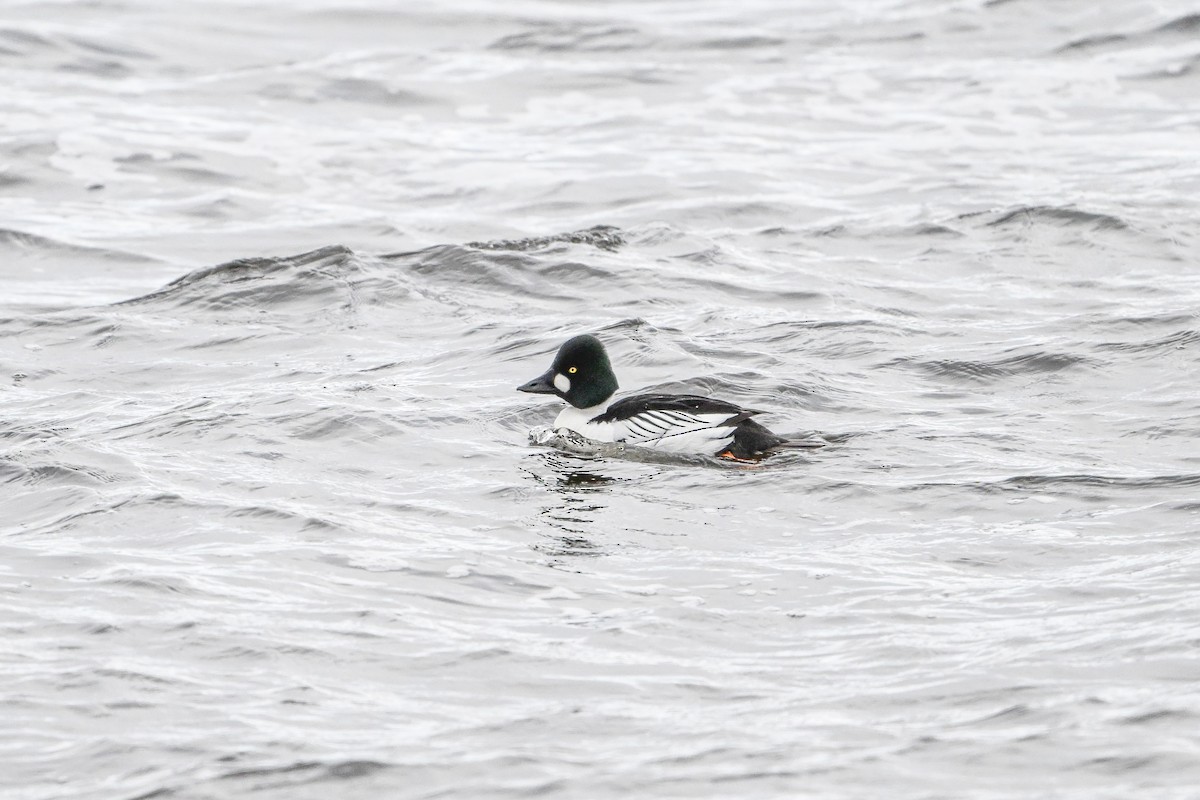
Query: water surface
x=273, y=525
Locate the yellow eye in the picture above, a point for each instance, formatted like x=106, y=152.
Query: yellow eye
x=572, y=370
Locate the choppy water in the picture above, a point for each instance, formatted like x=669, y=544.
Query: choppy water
x=275, y=528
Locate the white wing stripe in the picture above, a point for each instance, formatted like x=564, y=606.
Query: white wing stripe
x=660, y=419
x=638, y=428
x=655, y=425
x=644, y=425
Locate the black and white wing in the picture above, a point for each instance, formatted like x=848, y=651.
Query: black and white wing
x=654, y=419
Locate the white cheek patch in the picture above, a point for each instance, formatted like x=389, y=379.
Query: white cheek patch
x=562, y=382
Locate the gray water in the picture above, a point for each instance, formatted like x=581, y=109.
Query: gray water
x=272, y=524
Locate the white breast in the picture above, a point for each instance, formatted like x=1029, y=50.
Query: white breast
x=580, y=421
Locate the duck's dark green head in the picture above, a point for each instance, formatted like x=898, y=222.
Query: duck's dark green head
x=580, y=374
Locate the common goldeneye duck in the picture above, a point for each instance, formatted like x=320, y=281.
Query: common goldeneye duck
x=582, y=375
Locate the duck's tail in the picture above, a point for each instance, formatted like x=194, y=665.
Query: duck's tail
x=799, y=444
x=752, y=442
